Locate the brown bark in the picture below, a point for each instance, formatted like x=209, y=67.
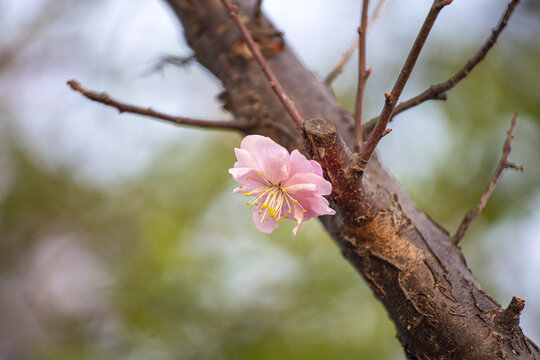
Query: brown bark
x=411, y=264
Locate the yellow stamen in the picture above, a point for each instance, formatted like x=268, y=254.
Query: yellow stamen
x=246, y=178
x=251, y=205
x=260, y=174
x=258, y=212
x=304, y=210
x=266, y=191
x=241, y=186
x=278, y=220
x=295, y=201
x=256, y=204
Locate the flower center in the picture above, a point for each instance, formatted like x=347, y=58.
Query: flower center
x=273, y=201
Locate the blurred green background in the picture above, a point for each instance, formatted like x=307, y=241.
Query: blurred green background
x=120, y=237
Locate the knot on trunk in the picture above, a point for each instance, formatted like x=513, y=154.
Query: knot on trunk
x=508, y=319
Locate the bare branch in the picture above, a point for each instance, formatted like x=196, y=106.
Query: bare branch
x=123, y=107
x=272, y=80
x=160, y=63
x=391, y=98
x=503, y=164
x=362, y=75
x=438, y=91
x=338, y=68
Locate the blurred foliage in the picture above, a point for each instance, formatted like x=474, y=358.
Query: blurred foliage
x=181, y=282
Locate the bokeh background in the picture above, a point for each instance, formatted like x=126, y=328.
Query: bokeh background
x=119, y=235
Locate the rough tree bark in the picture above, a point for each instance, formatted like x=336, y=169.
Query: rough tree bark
x=412, y=265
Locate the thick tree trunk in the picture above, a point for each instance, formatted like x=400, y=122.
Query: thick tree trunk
x=411, y=264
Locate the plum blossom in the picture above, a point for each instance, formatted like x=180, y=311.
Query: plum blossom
x=279, y=185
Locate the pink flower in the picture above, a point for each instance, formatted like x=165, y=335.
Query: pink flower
x=280, y=185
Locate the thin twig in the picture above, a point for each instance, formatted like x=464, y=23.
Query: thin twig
x=272, y=80
x=362, y=75
x=438, y=91
x=503, y=164
x=391, y=98
x=179, y=61
x=123, y=107
x=338, y=68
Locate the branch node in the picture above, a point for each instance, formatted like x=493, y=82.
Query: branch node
x=441, y=96
x=513, y=165
x=326, y=146
x=321, y=132
x=508, y=319
x=445, y=2
x=367, y=73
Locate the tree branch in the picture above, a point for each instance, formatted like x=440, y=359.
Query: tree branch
x=438, y=91
x=503, y=164
x=338, y=68
x=123, y=107
x=362, y=75
x=272, y=80
x=420, y=276
x=391, y=98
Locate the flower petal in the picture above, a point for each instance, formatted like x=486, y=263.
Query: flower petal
x=242, y=189
x=266, y=226
x=317, y=169
x=299, y=216
x=247, y=176
x=265, y=169
x=298, y=163
x=315, y=206
x=307, y=182
x=270, y=156
x=303, y=190
x=245, y=159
